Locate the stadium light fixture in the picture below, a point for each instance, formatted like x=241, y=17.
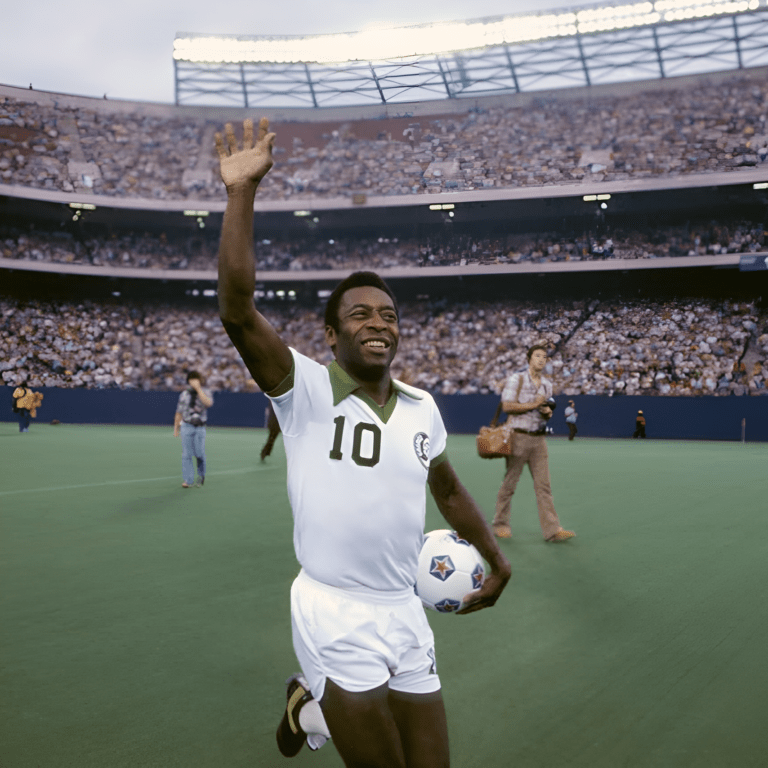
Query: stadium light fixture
x=302, y=213
x=196, y=213
x=442, y=207
x=682, y=10
x=760, y=185
x=383, y=44
x=83, y=206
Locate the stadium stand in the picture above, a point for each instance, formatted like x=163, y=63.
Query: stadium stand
x=162, y=251
x=685, y=347
x=55, y=148
x=666, y=128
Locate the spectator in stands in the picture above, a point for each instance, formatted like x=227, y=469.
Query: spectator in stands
x=639, y=425
x=525, y=397
x=191, y=418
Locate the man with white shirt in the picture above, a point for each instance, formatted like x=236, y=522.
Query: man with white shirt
x=525, y=397
x=361, y=449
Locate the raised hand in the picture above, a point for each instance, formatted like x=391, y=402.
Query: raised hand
x=249, y=165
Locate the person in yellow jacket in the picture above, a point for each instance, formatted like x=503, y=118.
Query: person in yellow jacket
x=25, y=404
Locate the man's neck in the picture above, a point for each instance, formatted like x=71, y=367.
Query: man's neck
x=378, y=388
x=535, y=375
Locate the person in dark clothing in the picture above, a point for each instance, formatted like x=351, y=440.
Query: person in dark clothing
x=274, y=430
x=639, y=425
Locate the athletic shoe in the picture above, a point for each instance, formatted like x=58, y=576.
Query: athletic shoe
x=562, y=536
x=290, y=736
x=200, y=482
x=502, y=531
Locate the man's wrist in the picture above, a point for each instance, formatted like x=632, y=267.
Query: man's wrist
x=243, y=189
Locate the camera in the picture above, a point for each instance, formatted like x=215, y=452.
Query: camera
x=551, y=404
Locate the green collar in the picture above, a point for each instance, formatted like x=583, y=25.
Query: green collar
x=343, y=385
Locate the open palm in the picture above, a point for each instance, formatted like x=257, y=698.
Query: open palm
x=250, y=164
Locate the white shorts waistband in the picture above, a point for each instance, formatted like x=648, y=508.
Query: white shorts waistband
x=393, y=597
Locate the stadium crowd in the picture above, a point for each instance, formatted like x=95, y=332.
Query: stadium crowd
x=686, y=347
x=697, y=128
x=148, y=251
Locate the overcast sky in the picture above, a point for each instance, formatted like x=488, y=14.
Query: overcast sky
x=123, y=48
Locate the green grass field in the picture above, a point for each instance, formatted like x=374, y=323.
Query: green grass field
x=143, y=625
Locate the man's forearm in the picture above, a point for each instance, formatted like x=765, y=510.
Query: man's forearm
x=461, y=513
x=237, y=263
x=510, y=406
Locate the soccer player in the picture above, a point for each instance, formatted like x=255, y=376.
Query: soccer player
x=361, y=448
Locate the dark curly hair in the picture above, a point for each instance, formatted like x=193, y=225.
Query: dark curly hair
x=355, y=280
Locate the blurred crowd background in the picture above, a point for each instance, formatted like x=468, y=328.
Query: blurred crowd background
x=537, y=141
x=598, y=347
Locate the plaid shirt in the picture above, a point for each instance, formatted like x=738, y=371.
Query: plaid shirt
x=189, y=413
x=531, y=421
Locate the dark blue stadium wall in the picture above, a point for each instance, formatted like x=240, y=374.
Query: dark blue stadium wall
x=686, y=418
x=680, y=418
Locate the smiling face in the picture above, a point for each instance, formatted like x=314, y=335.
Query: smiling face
x=368, y=334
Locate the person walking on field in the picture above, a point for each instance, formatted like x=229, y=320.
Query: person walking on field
x=361, y=448
x=639, y=426
x=570, y=419
x=25, y=404
x=189, y=423
x=525, y=397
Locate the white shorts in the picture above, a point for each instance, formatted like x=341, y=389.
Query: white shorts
x=361, y=641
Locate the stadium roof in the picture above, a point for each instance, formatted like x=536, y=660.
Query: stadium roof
x=504, y=54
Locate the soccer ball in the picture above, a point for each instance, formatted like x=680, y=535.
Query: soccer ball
x=449, y=569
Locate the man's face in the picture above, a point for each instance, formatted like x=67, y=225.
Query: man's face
x=368, y=334
x=538, y=360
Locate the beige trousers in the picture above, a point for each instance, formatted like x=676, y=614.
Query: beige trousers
x=530, y=450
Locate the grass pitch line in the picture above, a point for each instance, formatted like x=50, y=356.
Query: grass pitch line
x=126, y=482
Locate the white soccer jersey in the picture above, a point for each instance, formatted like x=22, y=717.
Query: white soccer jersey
x=357, y=477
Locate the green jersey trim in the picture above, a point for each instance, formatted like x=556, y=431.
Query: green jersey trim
x=343, y=385
x=286, y=385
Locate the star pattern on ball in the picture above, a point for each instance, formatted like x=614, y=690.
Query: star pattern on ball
x=442, y=567
x=448, y=605
x=478, y=576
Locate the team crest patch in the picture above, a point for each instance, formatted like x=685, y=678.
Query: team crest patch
x=421, y=446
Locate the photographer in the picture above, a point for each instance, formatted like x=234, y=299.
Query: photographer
x=25, y=404
x=527, y=397
x=189, y=422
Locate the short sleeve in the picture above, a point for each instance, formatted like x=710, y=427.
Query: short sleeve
x=511, y=388
x=438, y=442
x=311, y=387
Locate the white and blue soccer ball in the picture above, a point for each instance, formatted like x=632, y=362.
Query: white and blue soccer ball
x=450, y=568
